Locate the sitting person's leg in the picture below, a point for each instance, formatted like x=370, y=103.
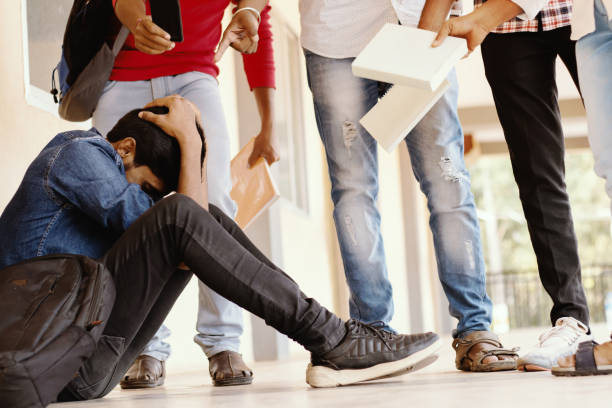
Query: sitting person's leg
x=176, y=229
x=138, y=313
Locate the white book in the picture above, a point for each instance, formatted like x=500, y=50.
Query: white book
x=398, y=112
x=403, y=56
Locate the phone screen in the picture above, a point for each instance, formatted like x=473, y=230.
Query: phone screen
x=167, y=15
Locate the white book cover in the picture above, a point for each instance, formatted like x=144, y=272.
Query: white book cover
x=403, y=55
x=398, y=112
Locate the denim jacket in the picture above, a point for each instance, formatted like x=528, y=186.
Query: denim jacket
x=74, y=198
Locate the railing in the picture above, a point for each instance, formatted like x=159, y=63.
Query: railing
x=528, y=303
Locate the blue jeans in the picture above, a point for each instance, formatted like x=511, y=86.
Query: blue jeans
x=436, y=151
x=219, y=322
x=594, y=57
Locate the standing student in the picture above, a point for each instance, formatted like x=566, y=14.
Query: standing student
x=519, y=57
x=332, y=34
x=592, y=27
x=151, y=66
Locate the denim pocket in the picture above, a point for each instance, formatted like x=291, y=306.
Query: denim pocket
x=98, y=370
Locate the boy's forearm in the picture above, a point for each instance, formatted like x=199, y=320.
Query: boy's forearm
x=265, y=105
x=191, y=178
x=129, y=12
x=495, y=12
x=434, y=14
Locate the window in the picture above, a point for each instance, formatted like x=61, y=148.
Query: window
x=44, y=22
x=290, y=172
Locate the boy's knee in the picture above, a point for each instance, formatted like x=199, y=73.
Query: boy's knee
x=178, y=202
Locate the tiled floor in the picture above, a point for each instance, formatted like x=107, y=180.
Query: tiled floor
x=439, y=385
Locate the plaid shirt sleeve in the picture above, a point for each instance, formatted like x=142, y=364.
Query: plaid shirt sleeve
x=556, y=14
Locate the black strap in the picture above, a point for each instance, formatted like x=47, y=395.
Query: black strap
x=585, y=359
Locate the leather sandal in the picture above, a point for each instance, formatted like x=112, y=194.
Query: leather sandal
x=464, y=344
x=585, y=363
x=227, y=368
x=145, y=372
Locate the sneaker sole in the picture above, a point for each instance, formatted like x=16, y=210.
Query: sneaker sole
x=325, y=377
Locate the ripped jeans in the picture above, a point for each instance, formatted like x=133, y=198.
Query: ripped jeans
x=436, y=151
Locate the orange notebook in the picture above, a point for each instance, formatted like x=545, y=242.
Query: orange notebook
x=253, y=188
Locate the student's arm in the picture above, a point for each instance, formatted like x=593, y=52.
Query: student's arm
x=266, y=144
x=259, y=68
x=179, y=123
x=474, y=27
x=242, y=32
x=148, y=37
x=87, y=177
x=434, y=14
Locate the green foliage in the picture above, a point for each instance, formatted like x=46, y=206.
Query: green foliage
x=590, y=209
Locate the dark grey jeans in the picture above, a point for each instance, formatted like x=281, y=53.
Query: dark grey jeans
x=143, y=264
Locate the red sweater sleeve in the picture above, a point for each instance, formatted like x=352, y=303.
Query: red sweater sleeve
x=259, y=67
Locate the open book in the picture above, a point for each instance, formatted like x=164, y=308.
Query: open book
x=253, y=189
x=403, y=56
x=398, y=112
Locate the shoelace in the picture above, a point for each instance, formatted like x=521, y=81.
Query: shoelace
x=376, y=328
x=567, y=333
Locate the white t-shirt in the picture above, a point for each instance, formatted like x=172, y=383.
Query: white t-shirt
x=409, y=11
x=342, y=28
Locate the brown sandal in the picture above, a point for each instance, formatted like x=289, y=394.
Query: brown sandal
x=464, y=344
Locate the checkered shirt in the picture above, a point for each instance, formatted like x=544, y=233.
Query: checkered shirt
x=556, y=14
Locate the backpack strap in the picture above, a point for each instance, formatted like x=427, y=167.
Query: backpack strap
x=120, y=40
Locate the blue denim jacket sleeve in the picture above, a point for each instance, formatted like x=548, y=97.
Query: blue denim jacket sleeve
x=90, y=177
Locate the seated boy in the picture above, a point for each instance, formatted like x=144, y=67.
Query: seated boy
x=93, y=196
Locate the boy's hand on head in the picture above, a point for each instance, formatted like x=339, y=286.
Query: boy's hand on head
x=179, y=122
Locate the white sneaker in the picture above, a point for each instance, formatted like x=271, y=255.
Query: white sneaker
x=559, y=341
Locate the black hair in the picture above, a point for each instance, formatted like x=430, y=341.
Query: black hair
x=154, y=147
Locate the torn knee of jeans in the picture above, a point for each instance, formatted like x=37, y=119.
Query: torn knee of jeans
x=349, y=133
x=449, y=170
x=469, y=249
x=348, y=221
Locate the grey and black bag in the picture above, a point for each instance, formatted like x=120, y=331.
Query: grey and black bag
x=54, y=309
x=92, y=39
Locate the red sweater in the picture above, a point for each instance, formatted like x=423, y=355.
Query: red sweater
x=201, y=33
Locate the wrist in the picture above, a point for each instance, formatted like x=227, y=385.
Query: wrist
x=250, y=10
x=190, y=144
x=495, y=12
x=267, y=125
x=256, y=4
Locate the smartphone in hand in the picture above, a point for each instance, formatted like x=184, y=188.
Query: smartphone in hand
x=167, y=15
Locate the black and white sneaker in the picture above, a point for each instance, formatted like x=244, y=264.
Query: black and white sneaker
x=368, y=352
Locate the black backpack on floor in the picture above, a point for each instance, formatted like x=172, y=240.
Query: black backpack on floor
x=53, y=311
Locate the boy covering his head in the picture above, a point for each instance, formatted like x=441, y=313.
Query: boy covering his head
x=88, y=195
